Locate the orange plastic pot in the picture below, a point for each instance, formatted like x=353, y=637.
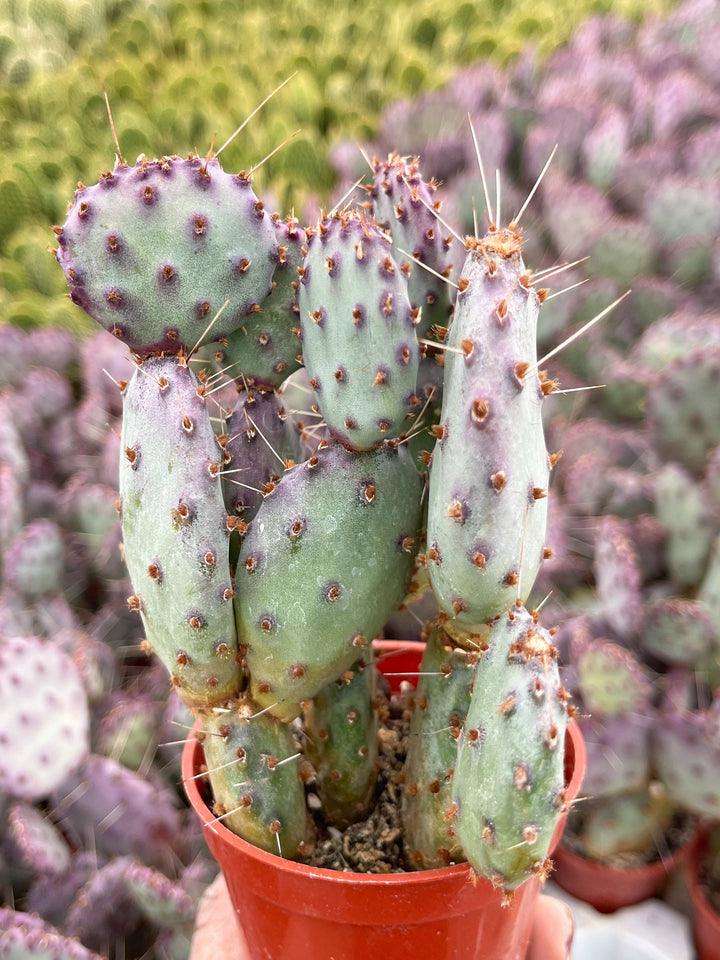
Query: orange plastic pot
x=706, y=920
x=291, y=911
x=609, y=888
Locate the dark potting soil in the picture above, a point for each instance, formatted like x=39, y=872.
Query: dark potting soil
x=373, y=845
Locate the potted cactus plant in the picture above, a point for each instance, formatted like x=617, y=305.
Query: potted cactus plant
x=267, y=548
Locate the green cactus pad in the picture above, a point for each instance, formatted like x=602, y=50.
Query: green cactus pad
x=342, y=744
x=325, y=561
x=686, y=751
x=684, y=508
x=358, y=332
x=490, y=468
x=34, y=561
x=678, y=630
x=406, y=206
x=175, y=530
x=164, y=902
x=682, y=403
x=153, y=252
x=254, y=769
x=265, y=349
x=440, y=707
x=508, y=785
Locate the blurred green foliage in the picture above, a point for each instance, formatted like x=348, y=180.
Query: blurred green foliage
x=183, y=74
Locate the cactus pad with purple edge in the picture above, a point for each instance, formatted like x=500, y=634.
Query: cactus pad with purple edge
x=163, y=901
x=25, y=935
x=402, y=203
x=490, y=468
x=175, y=530
x=33, y=840
x=103, y=910
x=153, y=251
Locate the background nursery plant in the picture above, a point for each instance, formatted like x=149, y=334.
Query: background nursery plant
x=267, y=547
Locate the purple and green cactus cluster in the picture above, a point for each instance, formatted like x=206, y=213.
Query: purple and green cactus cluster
x=269, y=544
x=317, y=437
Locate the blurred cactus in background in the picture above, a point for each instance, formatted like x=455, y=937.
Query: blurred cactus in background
x=176, y=78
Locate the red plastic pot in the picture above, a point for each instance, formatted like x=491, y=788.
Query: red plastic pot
x=706, y=921
x=609, y=888
x=291, y=911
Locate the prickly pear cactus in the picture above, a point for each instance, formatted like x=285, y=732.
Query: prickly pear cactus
x=254, y=769
x=26, y=936
x=175, y=530
x=358, y=332
x=265, y=349
x=261, y=571
x=154, y=251
x=342, y=728
x=490, y=469
x=440, y=707
x=327, y=558
x=626, y=823
x=403, y=204
x=508, y=785
x=258, y=445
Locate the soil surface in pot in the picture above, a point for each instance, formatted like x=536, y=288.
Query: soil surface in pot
x=375, y=844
